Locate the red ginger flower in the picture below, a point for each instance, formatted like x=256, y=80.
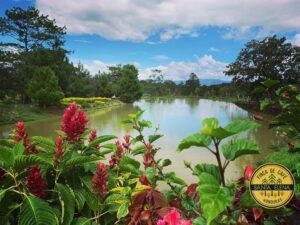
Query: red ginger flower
x=173, y=218
x=119, y=152
x=59, y=151
x=144, y=180
x=92, y=137
x=148, y=156
x=35, y=182
x=74, y=123
x=112, y=161
x=248, y=172
x=99, y=183
x=127, y=142
x=21, y=135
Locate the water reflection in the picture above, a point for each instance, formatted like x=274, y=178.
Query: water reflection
x=177, y=119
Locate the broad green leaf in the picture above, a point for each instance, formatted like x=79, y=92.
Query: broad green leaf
x=101, y=139
x=2, y=193
x=123, y=210
x=213, y=198
x=208, y=168
x=109, y=146
x=79, y=198
x=199, y=221
x=270, y=83
x=240, y=126
x=128, y=164
x=82, y=221
x=139, y=114
x=288, y=88
x=80, y=160
x=154, y=137
x=259, y=90
x=172, y=178
x=116, y=199
x=247, y=200
x=219, y=133
x=145, y=123
x=197, y=139
x=24, y=161
x=86, y=133
x=298, y=97
x=238, y=147
x=35, y=211
x=266, y=103
x=166, y=162
x=210, y=123
x=150, y=173
x=67, y=203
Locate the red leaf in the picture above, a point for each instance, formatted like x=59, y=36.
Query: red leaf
x=257, y=213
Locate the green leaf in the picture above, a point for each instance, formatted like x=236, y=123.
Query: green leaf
x=128, y=164
x=270, y=83
x=44, y=141
x=24, y=161
x=101, y=139
x=126, y=122
x=266, y=103
x=172, y=178
x=197, y=139
x=213, y=198
x=139, y=114
x=86, y=133
x=67, y=203
x=154, y=137
x=208, y=168
x=238, y=147
x=35, y=211
x=210, y=123
x=138, y=150
x=199, y=221
x=259, y=90
x=150, y=173
x=240, y=126
x=145, y=123
x=6, y=210
x=116, y=199
x=6, y=156
x=80, y=160
x=2, y=193
x=18, y=149
x=247, y=200
x=166, y=162
x=298, y=97
x=123, y=210
x=81, y=221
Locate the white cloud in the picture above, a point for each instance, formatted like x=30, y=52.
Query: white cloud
x=95, y=66
x=213, y=49
x=161, y=57
x=137, y=20
x=205, y=67
x=296, y=40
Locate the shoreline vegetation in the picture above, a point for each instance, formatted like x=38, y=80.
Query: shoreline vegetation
x=11, y=113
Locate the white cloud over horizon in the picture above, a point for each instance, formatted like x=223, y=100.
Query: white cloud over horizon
x=206, y=67
x=137, y=20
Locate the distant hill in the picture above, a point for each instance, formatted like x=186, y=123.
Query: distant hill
x=207, y=82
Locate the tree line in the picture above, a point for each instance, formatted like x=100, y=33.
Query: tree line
x=34, y=64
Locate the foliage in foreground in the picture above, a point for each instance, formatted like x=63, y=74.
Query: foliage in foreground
x=64, y=181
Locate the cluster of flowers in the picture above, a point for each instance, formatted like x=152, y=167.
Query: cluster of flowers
x=21, y=135
x=74, y=123
x=122, y=148
x=148, y=162
x=99, y=182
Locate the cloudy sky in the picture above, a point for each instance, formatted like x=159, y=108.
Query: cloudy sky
x=176, y=36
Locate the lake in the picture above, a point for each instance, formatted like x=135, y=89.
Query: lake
x=177, y=118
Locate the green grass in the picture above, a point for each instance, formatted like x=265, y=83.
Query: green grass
x=14, y=112
x=11, y=113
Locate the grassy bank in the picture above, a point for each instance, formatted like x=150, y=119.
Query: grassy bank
x=14, y=112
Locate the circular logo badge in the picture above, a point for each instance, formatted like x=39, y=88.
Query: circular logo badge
x=272, y=185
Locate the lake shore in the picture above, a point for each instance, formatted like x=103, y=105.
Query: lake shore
x=13, y=112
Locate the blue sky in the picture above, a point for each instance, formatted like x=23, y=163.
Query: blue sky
x=176, y=36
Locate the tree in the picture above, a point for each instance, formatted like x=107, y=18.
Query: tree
x=29, y=30
x=272, y=58
x=44, y=88
x=129, y=88
x=103, y=86
x=192, y=85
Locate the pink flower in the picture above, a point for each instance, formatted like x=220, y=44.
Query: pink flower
x=248, y=172
x=21, y=135
x=257, y=117
x=99, y=182
x=59, y=150
x=35, y=183
x=173, y=218
x=74, y=123
x=148, y=156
